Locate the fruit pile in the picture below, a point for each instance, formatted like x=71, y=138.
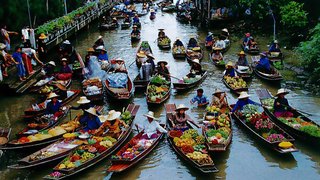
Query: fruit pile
x=191, y=144
x=189, y=80
x=179, y=50
x=218, y=136
x=157, y=89
x=126, y=117
x=164, y=41
x=134, y=150
x=301, y=125
x=46, y=89
x=213, y=109
x=235, y=83
x=268, y=103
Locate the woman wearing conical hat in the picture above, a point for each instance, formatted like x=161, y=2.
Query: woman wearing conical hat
x=243, y=100
x=150, y=127
x=112, y=124
x=180, y=118
x=53, y=106
x=219, y=99
x=281, y=106
x=242, y=60
x=90, y=120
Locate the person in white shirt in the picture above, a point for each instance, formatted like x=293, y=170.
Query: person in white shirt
x=220, y=44
x=150, y=127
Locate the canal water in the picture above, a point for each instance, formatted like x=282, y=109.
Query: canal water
x=245, y=158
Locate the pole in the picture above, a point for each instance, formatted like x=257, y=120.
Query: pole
x=29, y=14
x=274, y=24
x=65, y=7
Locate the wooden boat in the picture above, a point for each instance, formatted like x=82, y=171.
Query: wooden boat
x=275, y=57
x=140, y=83
x=120, y=164
x=137, y=24
x=217, y=147
x=109, y=26
x=97, y=93
x=52, y=86
x=206, y=168
x=184, y=17
x=233, y=89
x=152, y=17
x=253, y=51
x=141, y=13
x=41, y=124
x=51, y=153
x=120, y=93
x=218, y=64
x=181, y=85
x=275, y=75
x=272, y=145
x=32, y=112
x=117, y=14
x=264, y=94
x=67, y=173
x=145, y=49
x=164, y=97
x=40, y=84
x=135, y=38
x=164, y=45
x=169, y=8
x=4, y=135
x=125, y=25
x=194, y=53
x=178, y=54
x=245, y=72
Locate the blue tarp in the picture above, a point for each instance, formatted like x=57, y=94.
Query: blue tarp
x=117, y=80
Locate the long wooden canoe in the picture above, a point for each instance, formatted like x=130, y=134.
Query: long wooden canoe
x=164, y=46
x=32, y=113
x=67, y=173
x=245, y=74
x=234, y=90
x=272, y=145
x=180, y=86
x=252, y=51
x=4, y=135
x=207, y=168
x=178, y=55
x=120, y=164
x=274, y=76
x=265, y=94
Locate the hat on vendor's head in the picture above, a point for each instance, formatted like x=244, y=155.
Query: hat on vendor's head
x=276, y=41
x=112, y=115
x=164, y=62
x=181, y=106
x=217, y=91
x=243, y=95
x=114, y=18
x=42, y=36
x=135, y=26
x=225, y=30
x=150, y=114
x=241, y=53
x=229, y=64
x=83, y=100
x=2, y=46
x=210, y=33
x=282, y=91
x=66, y=42
x=64, y=59
x=217, y=49
x=52, y=63
x=52, y=95
x=196, y=61
x=141, y=54
x=152, y=10
x=92, y=111
x=90, y=50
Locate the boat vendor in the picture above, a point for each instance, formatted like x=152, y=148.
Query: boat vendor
x=65, y=72
x=224, y=34
x=17, y=56
x=103, y=56
x=152, y=12
x=243, y=100
x=48, y=69
x=135, y=31
x=200, y=99
x=42, y=47
x=230, y=71
x=263, y=64
x=99, y=42
x=196, y=68
x=178, y=43
x=219, y=99
x=90, y=53
x=217, y=55
x=90, y=120
x=136, y=19
x=127, y=19
x=112, y=124
x=192, y=42
x=220, y=43
x=246, y=41
x=150, y=127
x=281, y=106
x=180, y=118
x=84, y=104
x=274, y=47
x=150, y=59
x=54, y=105
x=161, y=34
x=209, y=39
x=242, y=60
x=163, y=70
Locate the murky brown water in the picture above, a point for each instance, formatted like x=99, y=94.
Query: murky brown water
x=245, y=158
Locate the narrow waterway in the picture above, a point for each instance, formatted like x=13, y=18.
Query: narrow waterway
x=245, y=158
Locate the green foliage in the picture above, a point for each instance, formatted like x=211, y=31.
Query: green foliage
x=293, y=15
x=310, y=51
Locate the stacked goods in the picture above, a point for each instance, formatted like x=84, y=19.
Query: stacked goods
x=46, y=89
x=268, y=102
x=192, y=145
x=126, y=117
x=84, y=153
x=189, y=80
x=179, y=50
x=92, y=86
x=235, y=83
x=194, y=54
x=135, y=149
x=164, y=41
x=213, y=110
x=157, y=88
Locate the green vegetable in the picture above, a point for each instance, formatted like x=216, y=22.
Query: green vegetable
x=312, y=130
x=213, y=132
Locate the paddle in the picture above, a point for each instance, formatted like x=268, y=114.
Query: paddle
x=171, y=76
x=132, y=63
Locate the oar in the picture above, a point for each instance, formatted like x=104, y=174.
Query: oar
x=171, y=76
x=131, y=63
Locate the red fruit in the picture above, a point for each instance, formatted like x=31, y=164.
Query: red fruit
x=215, y=141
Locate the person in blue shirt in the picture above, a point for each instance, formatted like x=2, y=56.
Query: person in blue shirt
x=54, y=105
x=209, y=39
x=230, y=71
x=103, y=56
x=17, y=56
x=90, y=120
x=200, y=99
x=65, y=68
x=136, y=19
x=264, y=63
x=178, y=42
x=243, y=100
x=192, y=43
x=274, y=47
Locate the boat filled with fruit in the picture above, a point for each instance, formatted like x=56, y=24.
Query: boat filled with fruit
x=217, y=128
x=298, y=125
x=164, y=43
x=97, y=149
x=158, y=90
x=260, y=125
x=189, y=145
x=235, y=84
x=133, y=152
x=189, y=81
x=194, y=53
x=178, y=52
